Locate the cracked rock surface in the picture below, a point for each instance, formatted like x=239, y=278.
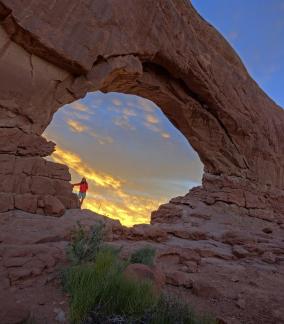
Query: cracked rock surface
x=222, y=243
x=161, y=50
x=223, y=263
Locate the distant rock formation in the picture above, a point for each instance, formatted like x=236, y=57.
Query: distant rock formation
x=54, y=53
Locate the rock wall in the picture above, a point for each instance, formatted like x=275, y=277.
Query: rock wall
x=161, y=50
x=27, y=181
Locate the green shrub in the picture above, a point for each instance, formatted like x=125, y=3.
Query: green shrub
x=144, y=255
x=170, y=310
x=100, y=293
x=102, y=284
x=85, y=245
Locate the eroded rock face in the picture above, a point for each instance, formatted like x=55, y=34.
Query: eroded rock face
x=162, y=50
x=227, y=264
x=222, y=242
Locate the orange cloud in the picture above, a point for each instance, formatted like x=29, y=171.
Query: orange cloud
x=74, y=161
x=165, y=135
x=129, y=112
x=108, y=197
x=152, y=119
x=79, y=106
x=76, y=126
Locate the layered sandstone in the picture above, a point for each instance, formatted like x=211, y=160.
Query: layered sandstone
x=224, y=263
x=221, y=244
x=162, y=50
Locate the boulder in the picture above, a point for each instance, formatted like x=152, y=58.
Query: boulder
x=53, y=206
x=26, y=202
x=142, y=272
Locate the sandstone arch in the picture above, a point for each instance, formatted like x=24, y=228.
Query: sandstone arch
x=52, y=53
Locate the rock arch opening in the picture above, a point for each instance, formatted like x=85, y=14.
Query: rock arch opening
x=133, y=157
x=185, y=67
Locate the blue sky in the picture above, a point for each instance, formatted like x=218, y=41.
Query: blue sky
x=255, y=29
x=132, y=156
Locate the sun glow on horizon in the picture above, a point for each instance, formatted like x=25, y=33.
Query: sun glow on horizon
x=129, y=209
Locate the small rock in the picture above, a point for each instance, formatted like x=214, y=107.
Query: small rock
x=239, y=251
x=60, y=315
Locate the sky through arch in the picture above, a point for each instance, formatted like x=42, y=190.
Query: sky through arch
x=133, y=157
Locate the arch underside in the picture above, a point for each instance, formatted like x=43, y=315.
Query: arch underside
x=164, y=52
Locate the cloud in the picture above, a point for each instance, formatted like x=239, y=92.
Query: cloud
x=157, y=129
x=152, y=127
x=129, y=112
x=117, y=102
x=152, y=119
x=165, y=135
x=107, y=196
x=102, y=139
x=123, y=122
x=76, y=126
x=76, y=105
x=80, y=116
x=146, y=105
x=74, y=161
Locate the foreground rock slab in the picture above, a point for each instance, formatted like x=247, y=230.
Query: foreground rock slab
x=225, y=265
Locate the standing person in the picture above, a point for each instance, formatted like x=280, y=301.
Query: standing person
x=83, y=190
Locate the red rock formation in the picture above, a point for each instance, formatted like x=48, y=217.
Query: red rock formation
x=222, y=242
x=227, y=264
x=161, y=50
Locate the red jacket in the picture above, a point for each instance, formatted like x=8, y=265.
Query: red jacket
x=83, y=186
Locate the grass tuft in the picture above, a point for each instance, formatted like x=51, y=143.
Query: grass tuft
x=145, y=255
x=85, y=245
x=102, y=284
x=101, y=293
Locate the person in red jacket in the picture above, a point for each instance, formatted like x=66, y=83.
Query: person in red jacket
x=83, y=190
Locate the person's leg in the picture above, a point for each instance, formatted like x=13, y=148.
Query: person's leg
x=82, y=202
x=80, y=198
x=83, y=198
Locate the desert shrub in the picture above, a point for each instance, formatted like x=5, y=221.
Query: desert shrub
x=144, y=255
x=170, y=310
x=102, y=285
x=30, y=320
x=101, y=293
x=84, y=244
